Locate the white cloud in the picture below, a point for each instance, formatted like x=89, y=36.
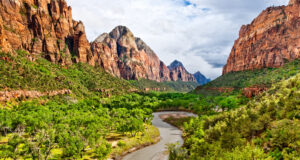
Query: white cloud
x=200, y=34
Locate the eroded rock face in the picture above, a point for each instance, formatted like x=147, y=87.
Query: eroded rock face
x=46, y=28
x=253, y=91
x=43, y=27
x=8, y=95
x=179, y=73
x=128, y=57
x=272, y=39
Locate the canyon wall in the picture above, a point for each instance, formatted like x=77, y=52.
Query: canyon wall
x=271, y=40
x=43, y=27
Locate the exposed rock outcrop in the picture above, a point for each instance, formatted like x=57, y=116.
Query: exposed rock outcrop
x=8, y=95
x=128, y=57
x=253, y=91
x=179, y=73
x=46, y=28
x=201, y=79
x=43, y=27
x=272, y=39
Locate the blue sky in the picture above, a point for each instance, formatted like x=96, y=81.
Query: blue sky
x=187, y=3
x=199, y=33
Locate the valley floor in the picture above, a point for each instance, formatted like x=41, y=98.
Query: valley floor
x=169, y=134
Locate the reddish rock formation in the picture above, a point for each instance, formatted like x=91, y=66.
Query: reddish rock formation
x=46, y=28
x=269, y=41
x=43, y=27
x=253, y=91
x=179, y=73
x=128, y=57
x=8, y=95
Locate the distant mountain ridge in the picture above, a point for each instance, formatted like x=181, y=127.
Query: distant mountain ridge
x=201, y=79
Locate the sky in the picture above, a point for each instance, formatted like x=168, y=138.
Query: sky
x=199, y=33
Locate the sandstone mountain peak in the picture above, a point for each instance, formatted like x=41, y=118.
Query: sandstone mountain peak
x=175, y=64
x=179, y=73
x=120, y=31
x=272, y=39
x=126, y=56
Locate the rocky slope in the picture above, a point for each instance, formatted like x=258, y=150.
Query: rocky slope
x=46, y=28
x=272, y=39
x=123, y=55
x=179, y=73
x=43, y=27
x=8, y=95
x=200, y=78
x=128, y=57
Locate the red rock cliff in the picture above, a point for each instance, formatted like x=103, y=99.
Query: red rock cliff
x=179, y=73
x=269, y=41
x=43, y=27
x=128, y=57
x=46, y=28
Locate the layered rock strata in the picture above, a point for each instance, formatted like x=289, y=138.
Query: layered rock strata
x=272, y=39
x=43, y=27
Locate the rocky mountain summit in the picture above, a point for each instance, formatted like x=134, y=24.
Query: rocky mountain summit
x=128, y=57
x=179, y=73
x=201, y=79
x=43, y=27
x=272, y=39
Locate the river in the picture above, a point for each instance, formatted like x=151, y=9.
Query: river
x=168, y=134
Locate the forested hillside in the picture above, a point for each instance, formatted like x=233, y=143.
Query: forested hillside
x=167, y=86
x=262, y=78
x=20, y=73
x=62, y=97
x=268, y=127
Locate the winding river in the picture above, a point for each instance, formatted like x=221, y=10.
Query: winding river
x=168, y=134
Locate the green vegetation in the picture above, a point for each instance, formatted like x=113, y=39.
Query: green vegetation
x=148, y=137
x=10, y=29
x=178, y=86
x=17, y=72
x=68, y=131
x=34, y=6
x=263, y=77
x=229, y=126
x=268, y=127
x=176, y=101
